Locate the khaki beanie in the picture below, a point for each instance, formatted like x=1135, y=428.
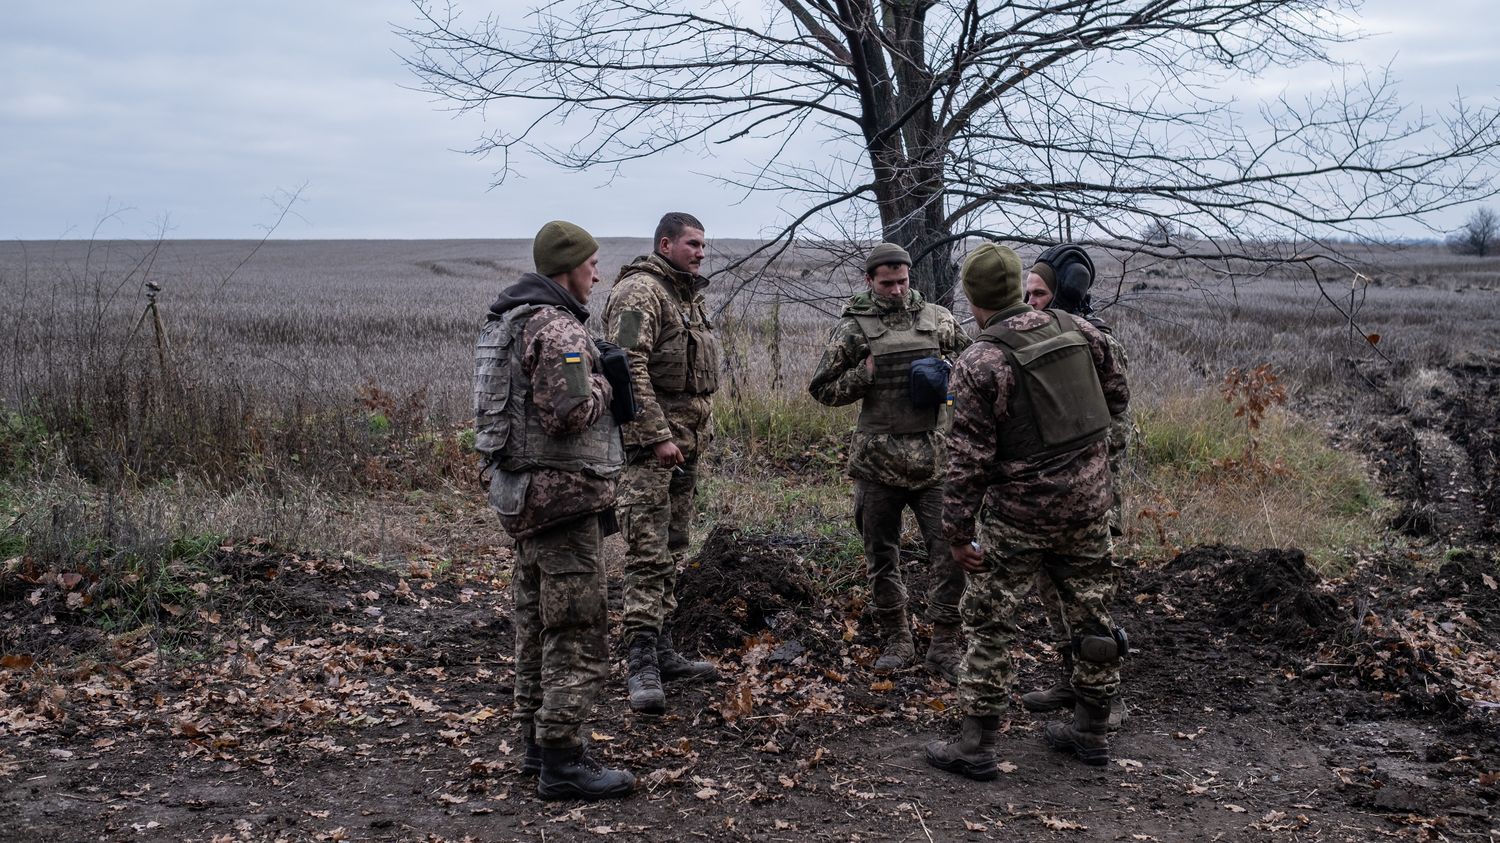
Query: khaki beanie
x=991, y=277
x=1048, y=275
x=561, y=247
x=883, y=254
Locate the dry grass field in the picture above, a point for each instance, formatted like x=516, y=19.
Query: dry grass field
x=250, y=589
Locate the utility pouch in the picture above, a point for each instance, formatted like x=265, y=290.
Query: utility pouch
x=616, y=368
x=929, y=382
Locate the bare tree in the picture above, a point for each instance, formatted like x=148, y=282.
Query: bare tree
x=939, y=119
x=1478, y=236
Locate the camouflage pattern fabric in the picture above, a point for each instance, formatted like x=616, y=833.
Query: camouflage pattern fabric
x=877, y=514
x=656, y=504
x=567, y=399
x=1121, y=431
x=639, y=312
x=1077, y=561
x=1047, y=493
x=906, y=460
x=561, y=624
x=656, y=512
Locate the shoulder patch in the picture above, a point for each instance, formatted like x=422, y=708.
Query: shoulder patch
x=628, y=328
x=575, y=374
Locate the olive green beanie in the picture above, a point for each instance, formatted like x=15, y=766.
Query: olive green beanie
x=883, y=254
x=991, y=277
x=561, y=247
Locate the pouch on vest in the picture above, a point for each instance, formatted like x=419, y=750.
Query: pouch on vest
x=616, y=366
x=508, y=491
x=929, y=382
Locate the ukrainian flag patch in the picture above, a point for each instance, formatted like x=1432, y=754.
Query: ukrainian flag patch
x=950, y=399
x=572, y=357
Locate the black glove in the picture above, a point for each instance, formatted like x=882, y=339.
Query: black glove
x=616, y=368
x=929, y=382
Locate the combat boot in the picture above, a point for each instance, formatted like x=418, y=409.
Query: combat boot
x=1086, y=737
x=1058, y=696
x=643, y=682
x=673, y=665
x=572, y=773
x=1118, y=713
x=972, y=754
x=946, y=652
x=531, y=761
x=897, y=650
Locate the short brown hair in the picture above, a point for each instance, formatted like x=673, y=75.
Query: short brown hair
x=671, y=226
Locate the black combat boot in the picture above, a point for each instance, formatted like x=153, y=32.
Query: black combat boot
x=531, y=762
x=673, y=665
x=643, y=683
x=1086, y=737
x=572, y=773
x=1058, y=696
x=972, y=754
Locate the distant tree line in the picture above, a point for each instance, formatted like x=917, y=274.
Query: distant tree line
x=1478, y=236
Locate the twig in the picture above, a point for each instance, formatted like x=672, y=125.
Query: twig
x=916, y=808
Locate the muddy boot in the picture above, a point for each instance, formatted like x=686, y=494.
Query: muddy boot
x=643, y=683
x=1058, y=696
x=972, y=754
x=674, y=666
x=1086, y=737
x=1117, y=713
x=574, y=774
x=531, y=762
x=897, y=650
x=946, y=651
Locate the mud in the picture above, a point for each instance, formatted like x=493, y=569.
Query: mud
x=740, y=585
x=1270, y=595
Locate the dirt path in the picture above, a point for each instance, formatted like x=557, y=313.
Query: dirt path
x=360, y=704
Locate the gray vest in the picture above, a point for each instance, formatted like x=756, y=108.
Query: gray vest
x=507, y=430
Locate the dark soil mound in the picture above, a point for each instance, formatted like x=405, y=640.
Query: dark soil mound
x=741, y=584
x=1270, y=595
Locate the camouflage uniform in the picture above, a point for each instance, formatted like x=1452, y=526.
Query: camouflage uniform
x=1047, y=513
x=554, y=451
x=656, y=312
x=894, y=470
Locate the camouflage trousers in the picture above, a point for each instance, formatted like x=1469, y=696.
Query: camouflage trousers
x=561, y=627
x=878, y=510
x=656, y=511
x=1078, y=564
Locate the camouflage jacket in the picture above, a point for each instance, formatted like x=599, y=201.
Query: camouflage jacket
x=656, y=312
x=1052, y=493
x=905, y=460
x=568, y=397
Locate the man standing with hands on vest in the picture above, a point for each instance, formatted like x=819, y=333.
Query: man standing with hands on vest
x=890, y=351
x=657, y=314
x=1033, y=397
x=552, y=447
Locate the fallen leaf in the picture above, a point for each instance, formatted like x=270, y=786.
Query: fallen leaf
x=1060, y=824
x=1129, y=763
x=973, y=826
x=882, y=686
x=1235, y=808
x=1489, y=581
x=1006, y=767
x=16, y=662
x=600, y=737
x=451, y=799
x=706, y=793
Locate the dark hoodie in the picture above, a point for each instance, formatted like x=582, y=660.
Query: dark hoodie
x=533, y=288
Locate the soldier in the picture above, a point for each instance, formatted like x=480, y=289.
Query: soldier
x=554, y=455
x=1032, y=401
x=656, y=313
x=890, y=351
x=1061, y=278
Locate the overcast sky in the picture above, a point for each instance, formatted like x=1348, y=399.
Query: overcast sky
x=199, y=114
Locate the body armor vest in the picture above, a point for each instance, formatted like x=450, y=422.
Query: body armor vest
x=507, y=429
x=1057, y=404
x=686, y=357
x=887, y=406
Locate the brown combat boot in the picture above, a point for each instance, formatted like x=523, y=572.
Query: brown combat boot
x=673, y=665
x=643, y=680
x=897, y=650
x=972, y=754
x=1058, y=696
x=946, y=652
x=1086, y=737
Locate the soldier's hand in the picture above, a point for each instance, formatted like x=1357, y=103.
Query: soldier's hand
x=870, y=364
x=968, y=557
x=668, y=454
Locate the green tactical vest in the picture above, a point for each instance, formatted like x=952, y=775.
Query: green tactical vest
x=507, y=429
x=1057, y=404
x=887, y=406
x=686, y=357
